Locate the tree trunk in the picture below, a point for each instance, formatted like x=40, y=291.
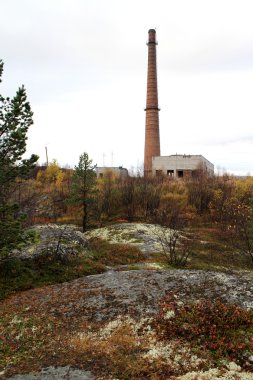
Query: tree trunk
x=85, y=216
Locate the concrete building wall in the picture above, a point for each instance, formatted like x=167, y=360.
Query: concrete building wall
x=180, y=166
x=118, y=171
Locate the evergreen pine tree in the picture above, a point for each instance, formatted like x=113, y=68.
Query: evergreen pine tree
x=83, y=182
x=15, y=119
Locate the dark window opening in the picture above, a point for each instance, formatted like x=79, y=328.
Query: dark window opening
x=159, y=173
x=101, y=175
x=170, y=173
x=180, y=173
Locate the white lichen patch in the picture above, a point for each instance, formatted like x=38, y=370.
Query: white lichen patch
x=122, y=234
x=111, y=327
x=16, y=320
x=217, y=374
x=232, y=366
x=173, y=354
x=169, y=314
x=56, y=226
x=147, y=266
x=145, y=236
x=153, y=266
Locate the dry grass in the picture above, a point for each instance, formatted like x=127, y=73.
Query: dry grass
x=123, y=348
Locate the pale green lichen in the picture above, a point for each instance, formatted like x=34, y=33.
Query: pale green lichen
x=169, y=314
x=218, y=374
x=138, y=234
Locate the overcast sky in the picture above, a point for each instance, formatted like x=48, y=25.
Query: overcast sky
x=84, y=65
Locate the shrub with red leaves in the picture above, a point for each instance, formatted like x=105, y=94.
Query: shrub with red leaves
x=224, y=330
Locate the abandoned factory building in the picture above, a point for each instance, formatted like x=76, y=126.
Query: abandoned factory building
x=180, y=166
x=118, y=171
x=177, y=166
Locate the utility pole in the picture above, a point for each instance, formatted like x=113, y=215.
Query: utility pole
x=46, y=156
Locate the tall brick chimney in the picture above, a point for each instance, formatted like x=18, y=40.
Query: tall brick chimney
x=152, y=138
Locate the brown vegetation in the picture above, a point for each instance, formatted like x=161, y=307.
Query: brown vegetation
x=222, y=204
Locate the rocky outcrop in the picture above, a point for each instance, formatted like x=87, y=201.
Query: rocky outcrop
x=59, y=373
x=60, y=241
x=137, y=293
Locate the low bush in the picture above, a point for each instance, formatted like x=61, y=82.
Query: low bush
x=21, y=274
x=17, y=274
x=224, y=330
x=114, y=254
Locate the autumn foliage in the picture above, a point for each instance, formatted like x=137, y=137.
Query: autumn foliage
x=223, y=203
x=223, y=330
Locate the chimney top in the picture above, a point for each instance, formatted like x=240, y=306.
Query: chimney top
x=152, y=37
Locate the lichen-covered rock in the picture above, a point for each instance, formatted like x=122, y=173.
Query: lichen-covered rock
x=144, y=236
x=59, y=373
x=59, y=241
x=111, y=297
x=105, y=296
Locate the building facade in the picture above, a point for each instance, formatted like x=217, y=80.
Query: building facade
x=116, y=171
x=180, y=166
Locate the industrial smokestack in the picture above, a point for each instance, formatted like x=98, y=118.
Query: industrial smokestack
x=152, y=138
